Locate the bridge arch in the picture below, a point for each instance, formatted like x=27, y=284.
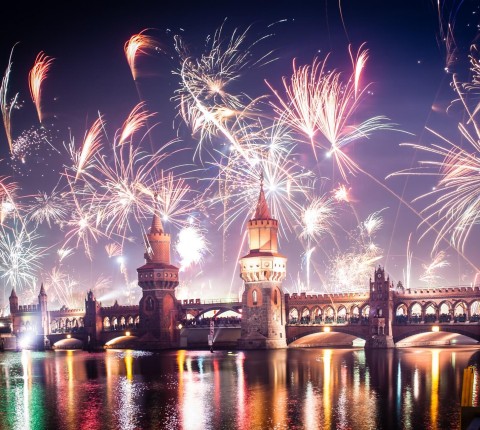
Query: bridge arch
x=446, y=334
x=329, y=313
x=293, y=316
x=341, y=314
x=317, y=315
x=365, y=312
x=317, y=336
x=475, y=311
x=220, y=310
x=430, y=312
x=460, y=311
x=305, y=317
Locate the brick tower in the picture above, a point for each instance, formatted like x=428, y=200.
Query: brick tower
x=44, y=327
x=381, y=311
x=263, y=269
x=158, y=280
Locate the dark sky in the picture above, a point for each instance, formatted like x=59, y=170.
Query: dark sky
x=90, y=75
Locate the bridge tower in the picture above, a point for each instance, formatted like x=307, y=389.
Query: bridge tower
x=263, y=269
x=93, y=321
x=381, y=311
x=44, y=328
x=13, y=299
x=158, y=279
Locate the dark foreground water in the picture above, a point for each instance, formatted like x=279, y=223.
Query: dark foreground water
x=415, y=388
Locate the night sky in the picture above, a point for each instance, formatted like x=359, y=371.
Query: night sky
x=408, y=84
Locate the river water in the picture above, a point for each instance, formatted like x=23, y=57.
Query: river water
x=411, y=388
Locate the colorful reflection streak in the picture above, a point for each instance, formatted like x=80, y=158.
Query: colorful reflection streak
x=284, y=389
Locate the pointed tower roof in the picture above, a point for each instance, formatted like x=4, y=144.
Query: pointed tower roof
x=42, y=291
x=157, y=226
x=262, y=211
x=13, y=294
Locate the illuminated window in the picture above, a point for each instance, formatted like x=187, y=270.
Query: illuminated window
x=254, y=297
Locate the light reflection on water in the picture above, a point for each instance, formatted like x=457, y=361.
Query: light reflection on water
x=284, y=389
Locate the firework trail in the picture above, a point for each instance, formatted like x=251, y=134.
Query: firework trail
x=6, y=105
x=140, y=43
x=407, y=275
x=136, y=120
x=430, y=276
x=113, y=249
x=63, y=253
x=91, y=145
x=37, y=75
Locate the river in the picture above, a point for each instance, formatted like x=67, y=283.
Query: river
x=410, y=388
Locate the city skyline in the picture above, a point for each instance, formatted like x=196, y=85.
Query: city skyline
x=200, y=111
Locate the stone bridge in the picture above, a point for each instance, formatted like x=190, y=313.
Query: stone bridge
x=310, y=319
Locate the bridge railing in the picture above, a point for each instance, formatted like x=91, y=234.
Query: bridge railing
x=328, y=321
x=227, y=300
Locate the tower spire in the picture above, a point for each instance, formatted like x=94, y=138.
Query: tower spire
x=262, y=211
x=157, y=226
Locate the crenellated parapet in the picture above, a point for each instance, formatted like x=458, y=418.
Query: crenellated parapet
x=29, y=308
x=439, y=292
x=65, y=312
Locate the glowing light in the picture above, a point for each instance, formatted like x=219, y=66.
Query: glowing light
x=36, y=77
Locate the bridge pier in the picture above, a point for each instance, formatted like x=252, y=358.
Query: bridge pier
x=378, y=341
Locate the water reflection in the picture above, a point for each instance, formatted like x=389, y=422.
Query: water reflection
x=285, y=389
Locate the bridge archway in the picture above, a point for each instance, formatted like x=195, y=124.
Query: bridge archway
x=293, y=316
x=71, y=343
x=121, y=342
x=327, y=337
x=431, y=335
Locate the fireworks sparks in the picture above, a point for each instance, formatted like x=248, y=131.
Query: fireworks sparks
x=107, y=188
x=7, y=105
x=320, y=101
x=91, y=144
x=318, y=218
x=136, y=120
x=19, y=257
x=50, y=208
x=205, y=103
x=430, y=275
x=455, y=209
x=191, y=246
x=36, y=77
x=140, y=43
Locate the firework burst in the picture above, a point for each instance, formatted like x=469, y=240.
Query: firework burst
x=7, y=105
x=318, y=101
x=37, y=75
x=19, y=257
x=140, y=43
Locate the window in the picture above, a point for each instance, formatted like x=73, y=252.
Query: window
x=254, y=297
x=149, y=304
